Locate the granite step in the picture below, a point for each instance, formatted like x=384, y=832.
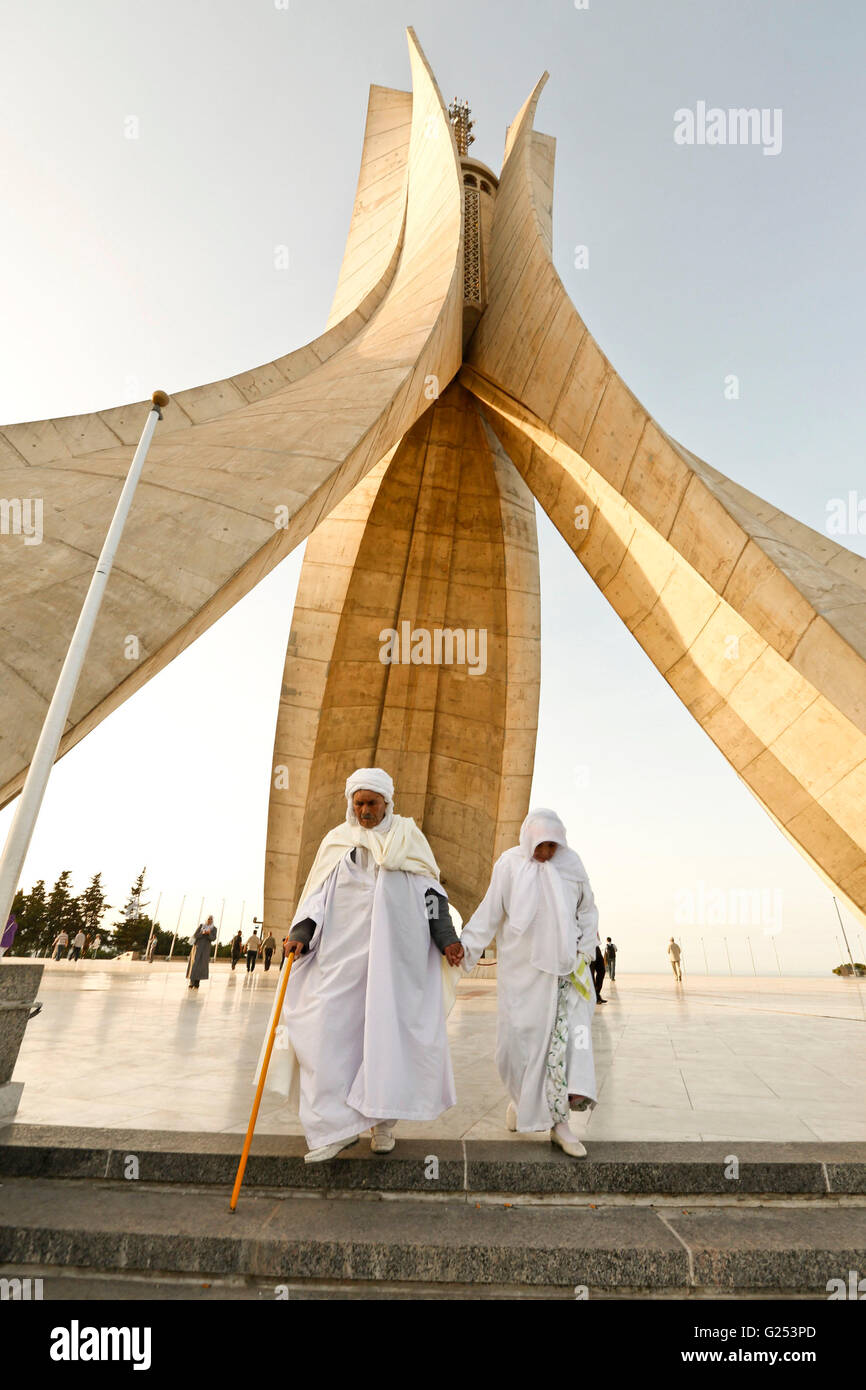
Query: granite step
x=640, y=1170
x=303, y=1239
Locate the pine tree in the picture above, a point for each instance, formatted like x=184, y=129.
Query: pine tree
x=62, y=912
x=30, y=911
x=93, y=905
x=133, y=929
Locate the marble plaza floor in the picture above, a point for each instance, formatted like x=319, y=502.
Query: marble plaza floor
x=129, y=1046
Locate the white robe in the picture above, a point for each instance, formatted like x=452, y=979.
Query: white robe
x=362, y=1036
x=527, y=996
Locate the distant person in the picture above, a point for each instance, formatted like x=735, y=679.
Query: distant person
x=97, y=942
x=199, y=957
x=596, y=970
x=252, y=949
x=283, y=957
x=269, y=945
x=237, y=949
x=151, y=947
x=610, y=958
x=674, y=954
x=78, y=941
x=8, y=936
x=59, y=945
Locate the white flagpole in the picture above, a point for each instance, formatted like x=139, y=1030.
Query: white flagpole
x=177, y=928
x=219, y=929
x=30, y=800
x=153, y=924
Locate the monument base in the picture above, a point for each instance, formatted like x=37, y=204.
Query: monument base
x=10, y=1099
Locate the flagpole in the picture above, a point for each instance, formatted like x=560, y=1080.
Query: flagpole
x=30, y=800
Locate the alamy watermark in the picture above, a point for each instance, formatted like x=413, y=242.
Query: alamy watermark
x=846, y=516
x=20, y=1290
x=855, y=1288
x=77, y=1343
x=443, y=646
x=22, y=516
x=702, y=906
x=738, y=125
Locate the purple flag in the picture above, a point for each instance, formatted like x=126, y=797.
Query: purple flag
x=9, y=934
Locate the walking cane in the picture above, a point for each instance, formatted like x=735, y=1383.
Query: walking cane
x=261, y=1086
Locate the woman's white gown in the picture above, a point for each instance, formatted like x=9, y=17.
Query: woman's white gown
x=527, y=996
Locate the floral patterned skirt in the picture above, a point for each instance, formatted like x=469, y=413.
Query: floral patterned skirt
x=556, y=1080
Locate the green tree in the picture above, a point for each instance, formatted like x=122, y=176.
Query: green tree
x=62, y=911
x=182, y=945
x=133, y=929
x=28, y=909
x=93, y=905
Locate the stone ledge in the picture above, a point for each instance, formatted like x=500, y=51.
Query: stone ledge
x=105, y=1227
x=688, y=1169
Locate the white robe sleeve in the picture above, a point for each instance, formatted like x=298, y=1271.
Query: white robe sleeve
x=587, y=919
x=313, y=905
x=486, y=920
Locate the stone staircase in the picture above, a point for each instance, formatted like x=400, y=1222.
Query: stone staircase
x=101, y=1214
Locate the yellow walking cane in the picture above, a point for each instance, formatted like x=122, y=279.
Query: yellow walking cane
x=290, y=960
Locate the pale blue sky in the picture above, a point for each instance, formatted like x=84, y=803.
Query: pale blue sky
x=132, y=263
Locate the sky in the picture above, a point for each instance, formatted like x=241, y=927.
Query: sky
x=153, y=157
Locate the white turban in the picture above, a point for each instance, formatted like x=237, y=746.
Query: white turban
x=370, y=779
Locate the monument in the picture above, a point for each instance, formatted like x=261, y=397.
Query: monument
x=454, y=385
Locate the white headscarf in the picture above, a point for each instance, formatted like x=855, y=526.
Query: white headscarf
x=371, y=779
x=538, y=900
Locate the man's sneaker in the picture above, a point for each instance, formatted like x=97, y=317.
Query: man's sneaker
x=329, y=1150
x=383, y=1140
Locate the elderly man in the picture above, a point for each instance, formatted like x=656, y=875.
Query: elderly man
x=363, y=1025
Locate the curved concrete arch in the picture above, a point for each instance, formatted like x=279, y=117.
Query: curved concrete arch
x=757, y=622
x=440, y=536
x=226, y=497
x=738, y=542
x=376, y=229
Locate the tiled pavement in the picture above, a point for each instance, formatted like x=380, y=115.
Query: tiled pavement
x=129, y=1046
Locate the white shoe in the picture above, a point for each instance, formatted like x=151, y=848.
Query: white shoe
x=569, y=1145
x=329, y=1150
x=511, y=1117
x=383, y=1140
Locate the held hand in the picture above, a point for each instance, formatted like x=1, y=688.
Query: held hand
x=454, y=953
x=294, y=948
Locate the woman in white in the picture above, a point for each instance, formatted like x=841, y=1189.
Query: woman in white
x=541, y=910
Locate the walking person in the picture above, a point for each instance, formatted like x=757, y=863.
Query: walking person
x=252, y=949
x=269, y=945
x=8, y=935
x=597, y=972
x=198, y=968
x=78, y=944
x=283, y=951
x=237, y=949
x=363, y=1041
x=610, y=958
x=59, y=945
x=674, y=956
x=541, y=909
